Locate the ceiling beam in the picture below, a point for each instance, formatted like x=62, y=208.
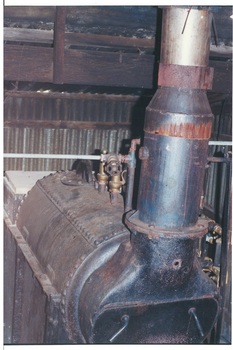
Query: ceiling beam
x=59, y=45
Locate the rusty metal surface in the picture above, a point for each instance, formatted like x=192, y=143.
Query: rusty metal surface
x=156, y=316
x=76, y=219
x=171, y=181
x=69, y=228
x=186, y=77
x=159, y=286
x=11, y=201
x=180, y=113
x=177, y=127
x=193, y=232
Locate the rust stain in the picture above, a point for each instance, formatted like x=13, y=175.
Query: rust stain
x=191, y=77
x=185, y=130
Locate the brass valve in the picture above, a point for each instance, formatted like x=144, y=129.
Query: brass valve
x=215, y=232
x=115, y=183
x=102, y=177
x=111, y=167
x=114, y=169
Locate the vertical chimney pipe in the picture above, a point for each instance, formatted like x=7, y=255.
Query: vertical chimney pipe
x=185, y=36
x=178, y=123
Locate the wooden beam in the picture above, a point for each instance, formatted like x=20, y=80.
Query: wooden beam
x=90, y=67
x=43, y=13
x=77, y=40
x=28, y=63
x=108, y=68
x=63, y=124
x=59, y=45
x=31, y=63
x=109, y=42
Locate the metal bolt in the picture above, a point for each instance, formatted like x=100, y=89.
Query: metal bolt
x=143, y=153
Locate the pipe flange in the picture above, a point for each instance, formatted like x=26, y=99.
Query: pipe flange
x=193, y=232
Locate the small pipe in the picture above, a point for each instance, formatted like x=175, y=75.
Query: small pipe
x=90, y=157
x=183, y=44
x=131, y=162
x=225, y=259
x=124, y=322
x=192, y=312
x=220, y=143
x=113, y=198
x=50, y=156
x=215, y=31
x=130, y=187
x=219, y=160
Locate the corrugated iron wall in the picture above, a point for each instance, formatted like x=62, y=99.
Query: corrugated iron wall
x=216, y=173
x=57, y=141
x=47, y=122
x=215, y=186
x=45, y=105
x=65, y=123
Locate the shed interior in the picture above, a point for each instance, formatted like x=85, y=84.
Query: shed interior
x=77, y=81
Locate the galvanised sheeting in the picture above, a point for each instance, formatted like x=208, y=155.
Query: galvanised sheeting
x=70, y=107
x=57, y=141
x=223, y=126
x=58, y=106
x=216, y=183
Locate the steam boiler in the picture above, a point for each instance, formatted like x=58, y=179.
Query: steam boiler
x=91, y=268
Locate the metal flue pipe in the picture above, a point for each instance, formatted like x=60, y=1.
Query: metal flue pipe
x=178, y=123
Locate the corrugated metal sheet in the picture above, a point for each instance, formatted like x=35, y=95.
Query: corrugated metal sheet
x=57, y=141
x=57, y=106
x=222, y=126
x=88, y=107
x=215, y=187
x=79, y=107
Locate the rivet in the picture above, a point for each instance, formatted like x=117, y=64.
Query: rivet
x=143, y=153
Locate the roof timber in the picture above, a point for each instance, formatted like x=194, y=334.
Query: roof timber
x=58, y=56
